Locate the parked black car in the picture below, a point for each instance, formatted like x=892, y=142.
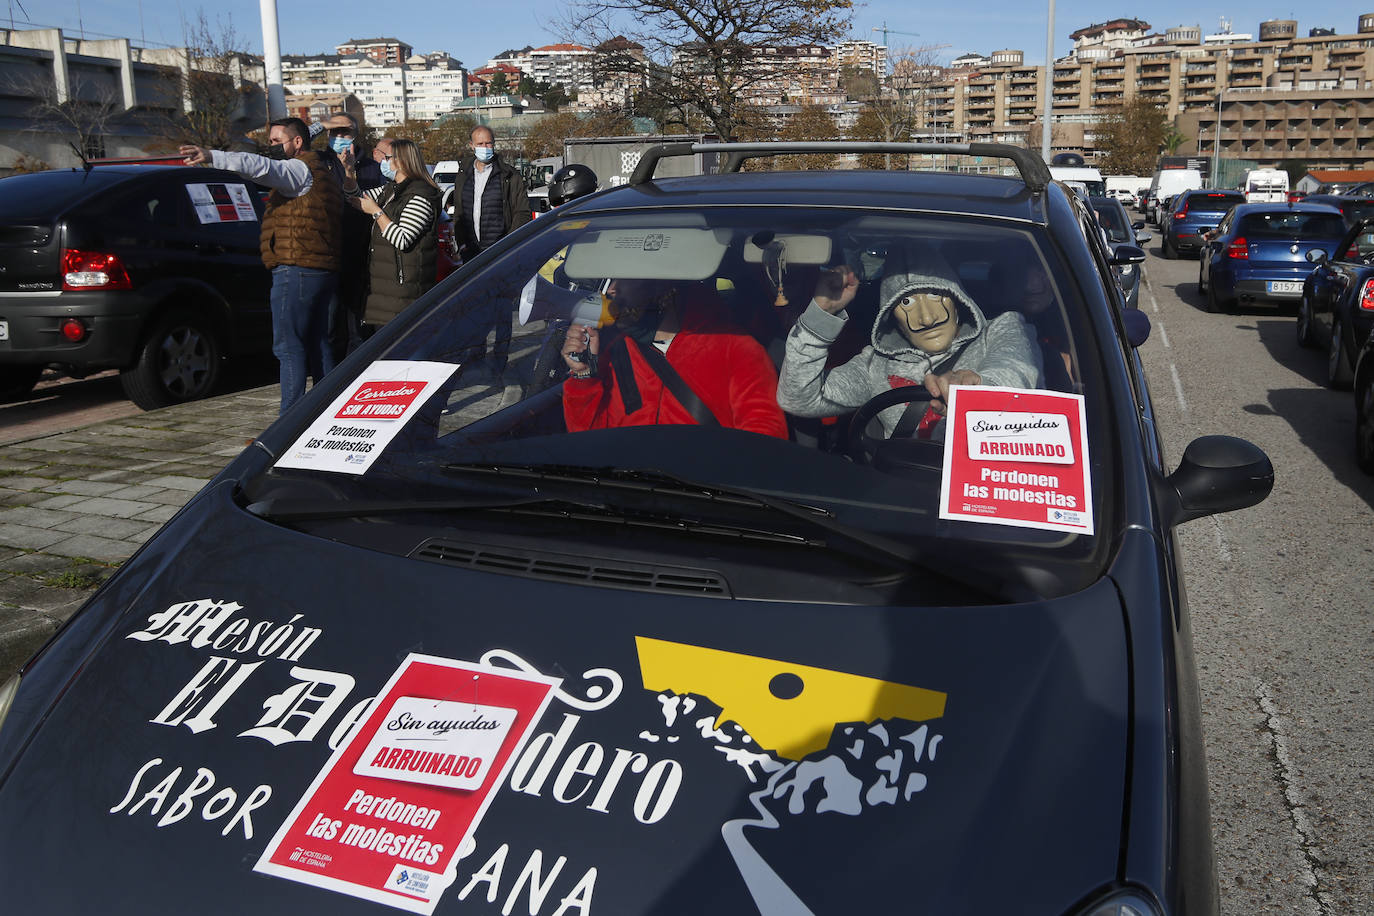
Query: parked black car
x=1353, y=209
x=1337, y=308
x=152, y=270
x=440, y=637
x=1122, y=231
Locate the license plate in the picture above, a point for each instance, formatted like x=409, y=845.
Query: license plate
x=1284, y=286
x=4, y=330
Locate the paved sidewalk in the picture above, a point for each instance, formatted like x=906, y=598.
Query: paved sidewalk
x=73, y=506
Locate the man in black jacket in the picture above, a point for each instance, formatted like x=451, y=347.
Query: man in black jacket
x=489, y=201
x=489, y=198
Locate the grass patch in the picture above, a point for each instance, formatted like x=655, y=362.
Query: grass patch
x=73, y=579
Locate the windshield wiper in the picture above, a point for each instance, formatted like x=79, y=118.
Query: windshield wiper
x=298, y=509
x=657, y=483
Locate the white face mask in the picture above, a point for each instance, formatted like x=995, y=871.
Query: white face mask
x=485, y=153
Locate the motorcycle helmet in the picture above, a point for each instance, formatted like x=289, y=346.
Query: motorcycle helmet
x=569, y=182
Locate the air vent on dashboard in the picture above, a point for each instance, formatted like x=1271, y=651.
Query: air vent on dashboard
x=641, y=577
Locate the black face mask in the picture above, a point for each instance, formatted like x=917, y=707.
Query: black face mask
x=276, y=151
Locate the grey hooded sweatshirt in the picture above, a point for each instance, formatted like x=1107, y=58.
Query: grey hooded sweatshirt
x=1002, y=351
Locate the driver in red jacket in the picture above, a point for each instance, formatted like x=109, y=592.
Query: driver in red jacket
x=612, y=383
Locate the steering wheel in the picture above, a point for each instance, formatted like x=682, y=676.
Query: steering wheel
x=892, y=455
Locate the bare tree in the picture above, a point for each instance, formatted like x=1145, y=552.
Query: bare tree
x=904, y=112
x=546, y=137
x=83, y=117
x=701, y=56
x=214, y=100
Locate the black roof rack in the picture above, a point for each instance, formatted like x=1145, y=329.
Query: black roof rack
x=1033, y=170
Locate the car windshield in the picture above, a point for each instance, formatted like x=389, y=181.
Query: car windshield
x=492, y=413
x=1113, y=219
x=1292, y=224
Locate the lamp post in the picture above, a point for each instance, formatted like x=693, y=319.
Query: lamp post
x=1216, y=142
x=1049, y=86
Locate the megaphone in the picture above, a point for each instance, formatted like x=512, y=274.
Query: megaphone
x=541, y=300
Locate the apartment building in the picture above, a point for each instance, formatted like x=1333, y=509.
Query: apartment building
x=434, y=85
x=1278, y=97
x=379, y=50
x=783, y=75
x=862, y=55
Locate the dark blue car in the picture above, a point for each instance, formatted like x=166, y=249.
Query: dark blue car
x=1259, y=252
x=1337, y=308
x=1189, y=212
x=445, y=638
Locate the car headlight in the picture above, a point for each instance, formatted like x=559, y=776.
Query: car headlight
x=7, y=692
x=1122, y=903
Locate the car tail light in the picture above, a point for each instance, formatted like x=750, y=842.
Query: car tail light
x=1352, y=253
x=1239, y=249
x=93, y=270
x=1367, y=296
x=1183, y=209
x=74, y=329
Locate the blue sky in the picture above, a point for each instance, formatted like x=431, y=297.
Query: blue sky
x=475, y=32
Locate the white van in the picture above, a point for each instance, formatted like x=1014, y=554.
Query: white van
x=1266, y=186
x=1090, y=178
x=445, y=173
x=1167, y=183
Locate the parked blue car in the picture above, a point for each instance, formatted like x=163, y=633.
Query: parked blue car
x=1189, y=212
x=1260, y=252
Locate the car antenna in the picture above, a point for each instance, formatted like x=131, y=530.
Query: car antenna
x=80, y=155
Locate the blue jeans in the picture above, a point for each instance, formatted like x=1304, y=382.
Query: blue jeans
x=301, y=298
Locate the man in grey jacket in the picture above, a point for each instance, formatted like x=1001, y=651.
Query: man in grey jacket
x=928, y=332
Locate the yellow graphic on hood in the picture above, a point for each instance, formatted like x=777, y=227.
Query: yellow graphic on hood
x=787, y=708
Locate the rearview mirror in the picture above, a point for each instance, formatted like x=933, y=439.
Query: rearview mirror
x=1217, y=474
x=1127, y=254
x=1142, y=238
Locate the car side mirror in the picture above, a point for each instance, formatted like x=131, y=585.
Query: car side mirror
x=1137, y=325
x=1142, y=238
x=1316, y=256
x=1217, y=474
x=1138, y=224
x=1127, y=254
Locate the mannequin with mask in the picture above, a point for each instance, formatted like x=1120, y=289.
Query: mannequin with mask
x=404, y=246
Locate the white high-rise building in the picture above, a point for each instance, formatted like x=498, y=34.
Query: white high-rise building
x=381, y=89
x=434, y=85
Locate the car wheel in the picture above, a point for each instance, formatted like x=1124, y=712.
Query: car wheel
x=1214, y=304
x=1303, y=327
x=178, y=361
x=1338, y=374
x=17, y=381
x=1364, y=424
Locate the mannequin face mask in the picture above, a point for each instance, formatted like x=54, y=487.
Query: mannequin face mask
x=928, y=320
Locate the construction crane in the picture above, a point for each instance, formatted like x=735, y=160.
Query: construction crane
x=885, y=30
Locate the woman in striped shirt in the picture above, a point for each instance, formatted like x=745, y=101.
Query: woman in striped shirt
x=404, y=247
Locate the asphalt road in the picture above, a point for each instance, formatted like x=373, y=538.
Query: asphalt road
x=1280, y=598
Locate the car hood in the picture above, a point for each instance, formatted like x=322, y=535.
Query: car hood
x=699, y=754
